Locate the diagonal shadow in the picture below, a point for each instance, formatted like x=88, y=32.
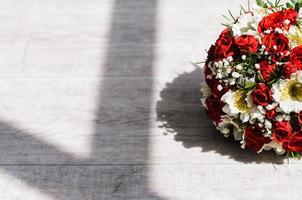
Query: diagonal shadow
x=117, y=167
x=180, y=112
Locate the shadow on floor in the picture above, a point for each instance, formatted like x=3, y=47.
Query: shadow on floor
x=117, y=168
x=181, y=114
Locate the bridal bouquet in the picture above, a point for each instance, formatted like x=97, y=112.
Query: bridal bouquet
x=253, y=78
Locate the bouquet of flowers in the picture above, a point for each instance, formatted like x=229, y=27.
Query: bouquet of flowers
x=253, y=78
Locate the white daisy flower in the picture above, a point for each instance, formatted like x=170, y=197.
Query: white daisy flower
x=237, y=104
x=228, y=126
x=295, y=36
x=288, y=93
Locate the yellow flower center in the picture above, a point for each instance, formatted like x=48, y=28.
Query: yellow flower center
x=240, y=102
x=292, y=90
x=296, y=91
x=296, y=38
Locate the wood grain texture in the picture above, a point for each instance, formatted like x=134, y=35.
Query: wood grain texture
x=99, y=101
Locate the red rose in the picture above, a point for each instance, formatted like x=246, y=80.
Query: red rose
x=277, y=19
x=275, y=43
x=247, y=43
x=287, y=70
x=293, y=143
x=271, y=114
x=282, y=130
x=271, y=21
x=214, y=108
x=296, y=57
x=254, y=138
x=225, y=45
x=291, y=15
x=299, y=118
x=213, y=84
x=262, y=95
x=211, y=55
x=296, y=121
x=267, y=70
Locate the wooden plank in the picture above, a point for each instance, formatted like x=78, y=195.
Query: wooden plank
x=69, y=41
x=99, y=101
x=47, y=121
x=159, y=182
x=79, y=182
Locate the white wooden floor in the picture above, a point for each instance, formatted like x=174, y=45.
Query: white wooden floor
x=98, y=100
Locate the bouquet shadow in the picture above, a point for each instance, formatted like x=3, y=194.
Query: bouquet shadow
x=180, y=113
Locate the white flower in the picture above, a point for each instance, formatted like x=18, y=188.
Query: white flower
x=273, y=145
x=235, y=75
x=238, y=67
x=300, y=13
x=237, y=104
x=230, y=58
x=288, y=93
x=286, y=22
x=219, y=87
x=278, y=30
x=206, y=92
x=270, y=106
x=268, y=124
x=267, y=31
x=257, y=115
x=295, y=36
x=247, y=24
x=227, y=124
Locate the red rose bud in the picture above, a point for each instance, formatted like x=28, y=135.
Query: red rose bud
x=293, y=143
x=296, y=57
x=211, y=55
x=267, y=70
x=282, y=131
x=207, y=71
x=277, y=20
x=299, y=118
x=247, y=43
x=291, y=15
x=213, y=85
x=288, y=69
x=225, y=45
x=214, y=108
x=271, y=21
x=262, y=95
x=271, y=114
x=275, y=43
x=254, y=138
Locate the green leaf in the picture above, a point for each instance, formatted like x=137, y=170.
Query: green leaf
x=249, y=85
x=259, y=2
x=288, y=5
x=232, y=16
x=260, y=78
x=295, y=155
x=277, y=2
x=270, y=84
x=297, y=7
